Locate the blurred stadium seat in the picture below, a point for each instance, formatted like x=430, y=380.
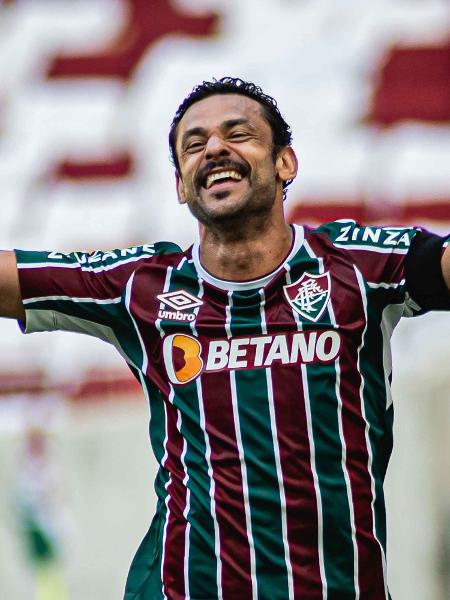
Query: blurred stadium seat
x=146, y=23
x=413, y=84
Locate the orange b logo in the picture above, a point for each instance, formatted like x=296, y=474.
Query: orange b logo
x=182, y=357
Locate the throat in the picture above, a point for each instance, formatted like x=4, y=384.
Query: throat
x=244, y=260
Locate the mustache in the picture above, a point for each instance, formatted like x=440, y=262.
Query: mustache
x=241, y=167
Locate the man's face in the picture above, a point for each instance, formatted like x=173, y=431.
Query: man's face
x=225, y=150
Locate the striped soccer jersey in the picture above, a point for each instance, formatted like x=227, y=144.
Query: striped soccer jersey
x=271, y=413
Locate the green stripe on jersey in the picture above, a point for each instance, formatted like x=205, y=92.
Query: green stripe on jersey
x=262, y=477
x=144, y=578
x=379, y=416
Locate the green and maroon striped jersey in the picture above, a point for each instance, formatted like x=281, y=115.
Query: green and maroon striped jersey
x=271, y=410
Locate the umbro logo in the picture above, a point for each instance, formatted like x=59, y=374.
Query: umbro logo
x=180, y=300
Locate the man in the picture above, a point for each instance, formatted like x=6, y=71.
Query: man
x=264, y=354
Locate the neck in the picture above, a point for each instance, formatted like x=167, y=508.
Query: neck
x=248, y=254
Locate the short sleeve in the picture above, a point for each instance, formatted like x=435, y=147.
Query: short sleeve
x=379, y=253
x=79, y=291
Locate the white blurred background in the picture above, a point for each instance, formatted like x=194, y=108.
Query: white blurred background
x=88, y=89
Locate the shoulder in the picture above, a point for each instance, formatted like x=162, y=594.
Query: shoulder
x=350, y=235
x=97, y=259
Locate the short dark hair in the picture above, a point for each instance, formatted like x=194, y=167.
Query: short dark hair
x=281, y=132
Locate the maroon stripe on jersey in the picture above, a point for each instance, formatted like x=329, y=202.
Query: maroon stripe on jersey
x=175, y=542
x=225, y=462
x=75, y=282
x=375, y=265
x=148, y=282
x=295, y=458
x=378, y=266
x=349, y=313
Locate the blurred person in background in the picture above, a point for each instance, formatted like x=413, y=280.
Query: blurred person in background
x=264, y=353
x=40, y=513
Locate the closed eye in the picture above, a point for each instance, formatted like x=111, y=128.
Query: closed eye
x=192, y=146
x=238, y=135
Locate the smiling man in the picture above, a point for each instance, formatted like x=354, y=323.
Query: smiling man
x=264, y=353
x=231, y=171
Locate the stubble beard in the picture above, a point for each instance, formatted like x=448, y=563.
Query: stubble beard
x=250, y=214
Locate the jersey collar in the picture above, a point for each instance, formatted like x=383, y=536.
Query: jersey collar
x=236, y=286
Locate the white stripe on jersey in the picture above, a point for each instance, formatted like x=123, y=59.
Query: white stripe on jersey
x=185, y=513
x=73, y=299
x=390, y=317
x=390, y=250
x=167, y=499
x=183, y=260
x=141, y=341
x=161, y=304
x=88, y=268
x=386, y=286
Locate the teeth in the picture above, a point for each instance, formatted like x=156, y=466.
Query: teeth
x=222, y=175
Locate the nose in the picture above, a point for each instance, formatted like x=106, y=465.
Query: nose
x=215, y=146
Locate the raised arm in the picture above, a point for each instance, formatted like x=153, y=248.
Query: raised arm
x=10, y=298
x=446, y=266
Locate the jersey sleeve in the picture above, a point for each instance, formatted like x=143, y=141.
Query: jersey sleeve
x=79, y=291
x=379, y=253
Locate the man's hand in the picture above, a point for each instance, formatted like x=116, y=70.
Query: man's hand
x=446, y=266
x=10, y=297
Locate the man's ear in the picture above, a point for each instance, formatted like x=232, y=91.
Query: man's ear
x=180, y=189
x=286, y=164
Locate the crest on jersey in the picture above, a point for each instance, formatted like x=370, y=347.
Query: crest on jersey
x=309, y=295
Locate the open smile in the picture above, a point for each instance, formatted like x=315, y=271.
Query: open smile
x=229, y=172
x=218, y=178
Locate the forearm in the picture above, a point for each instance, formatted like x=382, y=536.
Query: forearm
x=445, y=262
x=10, y=297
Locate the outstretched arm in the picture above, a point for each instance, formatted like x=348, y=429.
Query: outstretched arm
x=446, y=266
x=10, y=298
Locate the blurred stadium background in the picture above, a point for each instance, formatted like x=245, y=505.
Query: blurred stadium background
x=87, y=92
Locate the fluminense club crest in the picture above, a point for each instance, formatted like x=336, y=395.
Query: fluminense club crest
x=309, y=295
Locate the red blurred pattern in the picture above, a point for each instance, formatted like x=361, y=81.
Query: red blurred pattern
x=96, y=385
x=413, y=84
x=412, y=211
x=147, y=23
x=115, y=166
